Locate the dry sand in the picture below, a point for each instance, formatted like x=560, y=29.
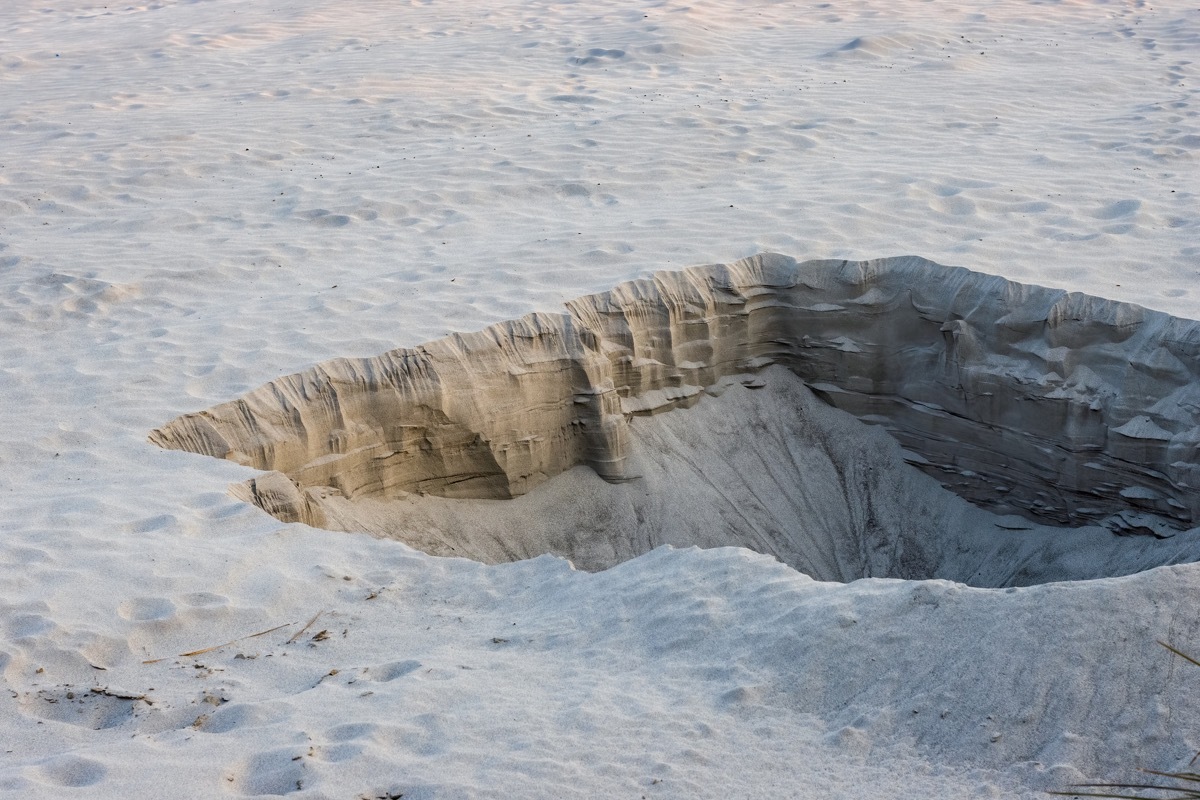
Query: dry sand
x=199, y=198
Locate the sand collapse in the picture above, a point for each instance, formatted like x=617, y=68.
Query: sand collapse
x=1069, y=423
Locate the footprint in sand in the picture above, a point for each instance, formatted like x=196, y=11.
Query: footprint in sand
x=69, y=771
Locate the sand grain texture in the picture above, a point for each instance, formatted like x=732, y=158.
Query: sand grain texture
x=197, y=199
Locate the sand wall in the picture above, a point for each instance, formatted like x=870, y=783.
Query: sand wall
x=1060, y=406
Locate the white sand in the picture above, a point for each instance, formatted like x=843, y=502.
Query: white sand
x=196, y=198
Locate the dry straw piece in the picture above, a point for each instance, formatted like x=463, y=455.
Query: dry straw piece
x=204, y=650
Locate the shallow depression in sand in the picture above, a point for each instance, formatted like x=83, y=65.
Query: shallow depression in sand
x=890, y=418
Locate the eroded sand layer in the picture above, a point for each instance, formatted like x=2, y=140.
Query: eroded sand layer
x=766, y=465
x=1064, y=408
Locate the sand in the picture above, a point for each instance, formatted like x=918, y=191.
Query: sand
x=199, y=198
x=1067, y=409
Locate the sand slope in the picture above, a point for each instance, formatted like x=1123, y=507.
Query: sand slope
x=774, y=470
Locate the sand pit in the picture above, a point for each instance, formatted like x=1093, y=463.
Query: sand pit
x=1036, y=435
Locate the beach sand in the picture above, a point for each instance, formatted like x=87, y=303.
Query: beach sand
x=199, y=198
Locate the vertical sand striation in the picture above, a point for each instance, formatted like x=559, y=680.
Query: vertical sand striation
x=1062, y=407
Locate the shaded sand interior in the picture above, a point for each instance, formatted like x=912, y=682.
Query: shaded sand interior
x=774, y=469
x=1043, y=408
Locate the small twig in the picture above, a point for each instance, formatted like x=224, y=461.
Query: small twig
x=204, y=650
x=307, y=625
x=104, y=690
x=1182, y=655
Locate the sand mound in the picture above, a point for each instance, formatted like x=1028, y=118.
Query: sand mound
x=1066, y=409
